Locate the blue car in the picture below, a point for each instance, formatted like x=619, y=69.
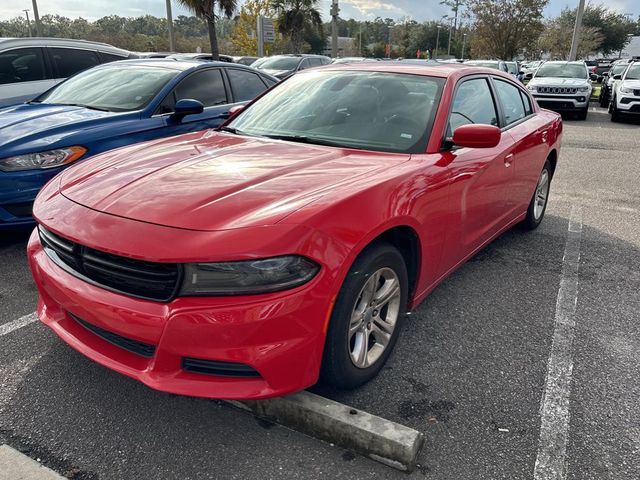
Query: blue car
x=107, y=107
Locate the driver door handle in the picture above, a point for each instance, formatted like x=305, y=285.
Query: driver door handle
x=508, y=160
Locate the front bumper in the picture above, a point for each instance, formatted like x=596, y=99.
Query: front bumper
x=628, y=104
x=18, y=190
x=280, y=336
x=563, y=103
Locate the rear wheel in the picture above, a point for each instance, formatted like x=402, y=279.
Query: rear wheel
x=538, y=204
x=366, y=318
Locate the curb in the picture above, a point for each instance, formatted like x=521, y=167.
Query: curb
x=17, y=466
x=382, y=440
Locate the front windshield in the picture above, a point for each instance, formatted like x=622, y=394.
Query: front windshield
x=633, y=73
x=618, y=69
x=278, y=63
x=366, y=110
x=116, y=88
x=562, y=70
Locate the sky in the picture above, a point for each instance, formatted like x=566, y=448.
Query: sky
x=419, y=10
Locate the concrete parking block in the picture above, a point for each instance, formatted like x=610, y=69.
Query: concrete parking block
x=382, y=440
x=17, y=466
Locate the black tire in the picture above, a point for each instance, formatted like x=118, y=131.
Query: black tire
x=604, y=101
x=615, y=113
x=531, y=221
x=338, y=369
x=582, y=115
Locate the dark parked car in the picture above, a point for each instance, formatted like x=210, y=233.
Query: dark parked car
x=282, y=66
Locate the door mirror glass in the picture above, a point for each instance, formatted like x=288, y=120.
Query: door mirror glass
x=617, y=77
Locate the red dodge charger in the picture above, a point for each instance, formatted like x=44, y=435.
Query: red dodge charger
x=288, y=245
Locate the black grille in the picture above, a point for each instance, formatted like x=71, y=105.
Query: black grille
x=149, y=280
x=23, y=209
x=133, y=346
x=221, y=369
x=560, y=90
x=636, y=93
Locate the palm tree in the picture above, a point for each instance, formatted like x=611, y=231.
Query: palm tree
x=205, y=9
x=295, y=17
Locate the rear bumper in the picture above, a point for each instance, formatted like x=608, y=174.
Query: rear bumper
x=279, y=336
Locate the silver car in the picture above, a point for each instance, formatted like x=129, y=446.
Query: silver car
x=30, y=66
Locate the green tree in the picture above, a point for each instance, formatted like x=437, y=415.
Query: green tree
x=297, y=19
x=612, y=25
x=205, y=9
x=558, y=33
x=503, y=28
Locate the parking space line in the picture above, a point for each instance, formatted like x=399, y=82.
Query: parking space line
x=19, y=323
x=554, y=410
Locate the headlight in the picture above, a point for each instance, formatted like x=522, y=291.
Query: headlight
x=532, y=88
x=247, y=277
x=626, y=90
x=584, y=89
x=42, y=160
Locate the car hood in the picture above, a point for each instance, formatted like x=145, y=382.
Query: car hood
x=35, y=126
x=560, y=82
x=216, y=181
x=635, y=84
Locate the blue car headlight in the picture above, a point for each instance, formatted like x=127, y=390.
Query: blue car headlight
x=42, y=160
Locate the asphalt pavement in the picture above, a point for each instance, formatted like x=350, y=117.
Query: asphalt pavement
x=469, y=370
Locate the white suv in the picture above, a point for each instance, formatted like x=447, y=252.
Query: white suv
x=625, y=98
x=562, y=87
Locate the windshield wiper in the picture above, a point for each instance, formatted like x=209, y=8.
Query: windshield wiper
x=304, y=139
x=90, y=107
x=230, y=130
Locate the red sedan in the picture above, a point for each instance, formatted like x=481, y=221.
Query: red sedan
x=287, y=246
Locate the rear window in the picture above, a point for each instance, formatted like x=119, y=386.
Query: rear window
x=245, y=85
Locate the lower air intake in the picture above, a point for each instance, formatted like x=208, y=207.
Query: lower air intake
x=221, y=369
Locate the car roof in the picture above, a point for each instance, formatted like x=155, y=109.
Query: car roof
x=175, y=64
x=433, y=69
x=565, y=62
x=6, y=43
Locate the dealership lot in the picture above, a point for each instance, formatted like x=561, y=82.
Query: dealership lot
x=469, y=369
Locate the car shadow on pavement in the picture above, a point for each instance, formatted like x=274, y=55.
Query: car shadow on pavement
x=468, y=371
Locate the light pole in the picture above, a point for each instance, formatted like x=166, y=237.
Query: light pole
x=464, y=41
x=389, y=44
x=576, y=32
x=36, y=17
x=172, y=46
x=449, y=46
x=435, y=54
x=335, y=10
x=28, y=22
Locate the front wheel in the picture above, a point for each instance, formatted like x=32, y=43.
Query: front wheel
x=538, y=204
x=366, y=318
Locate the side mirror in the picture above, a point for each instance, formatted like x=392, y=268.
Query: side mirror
x=617, y=77
x=477, y=136
x=605, y=74
x=593, y=77
x=186, y=106
x=528, y=76
x=520, y=72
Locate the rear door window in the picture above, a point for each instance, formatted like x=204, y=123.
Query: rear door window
x=315, y=62
x=511, y=101
x=22, y=65
x=109, y=57
x=69, y=61
x=245, y=85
